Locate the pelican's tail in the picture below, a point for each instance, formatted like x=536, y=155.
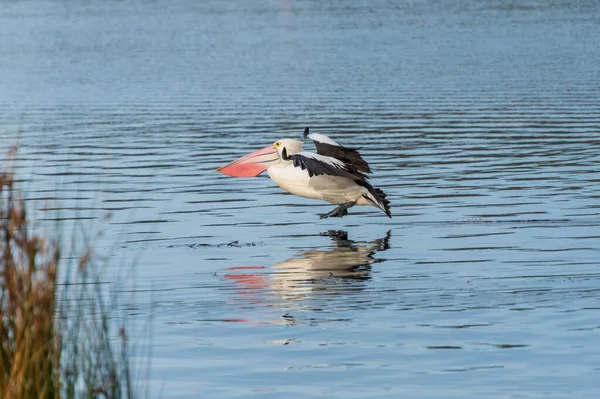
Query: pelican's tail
x=378, y=198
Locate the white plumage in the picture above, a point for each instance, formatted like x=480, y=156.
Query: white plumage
x=334, y=189
x=321, y=138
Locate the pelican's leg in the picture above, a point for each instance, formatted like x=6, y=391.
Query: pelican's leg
x=340, y=211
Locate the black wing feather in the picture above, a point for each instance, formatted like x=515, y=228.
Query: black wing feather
x=315, y=167
x=350, y=156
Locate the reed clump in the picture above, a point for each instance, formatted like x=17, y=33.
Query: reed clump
x=57, y=340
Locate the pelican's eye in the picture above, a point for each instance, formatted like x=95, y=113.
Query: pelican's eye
x=277, y=144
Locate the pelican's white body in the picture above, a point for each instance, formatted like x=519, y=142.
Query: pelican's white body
x=334, y=189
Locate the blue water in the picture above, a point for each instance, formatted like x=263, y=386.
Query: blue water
x=479, y=119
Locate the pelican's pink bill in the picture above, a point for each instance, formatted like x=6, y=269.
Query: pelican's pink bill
x=251, y=165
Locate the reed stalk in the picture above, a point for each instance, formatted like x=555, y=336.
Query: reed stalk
x=58, y=339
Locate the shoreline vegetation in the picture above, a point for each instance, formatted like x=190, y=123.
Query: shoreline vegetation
x=59, y=339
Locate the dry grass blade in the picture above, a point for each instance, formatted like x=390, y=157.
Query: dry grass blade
x=49, y=349
x=28, y=264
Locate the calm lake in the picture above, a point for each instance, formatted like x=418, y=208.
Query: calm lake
x=480, y=120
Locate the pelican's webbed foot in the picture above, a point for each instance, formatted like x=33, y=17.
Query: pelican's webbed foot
x=339, y=212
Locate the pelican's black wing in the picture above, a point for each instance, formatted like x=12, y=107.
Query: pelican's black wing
x=329, y=148
x=317, y=165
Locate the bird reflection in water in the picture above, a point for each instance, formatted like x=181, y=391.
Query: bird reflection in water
x=339, y=270
x=312, y=274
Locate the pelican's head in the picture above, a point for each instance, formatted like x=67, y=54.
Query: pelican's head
x=287, y=147
x=254, y=164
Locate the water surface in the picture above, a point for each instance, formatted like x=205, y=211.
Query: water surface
x=480, y=120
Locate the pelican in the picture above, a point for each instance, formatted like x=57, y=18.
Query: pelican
x=335, y=174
